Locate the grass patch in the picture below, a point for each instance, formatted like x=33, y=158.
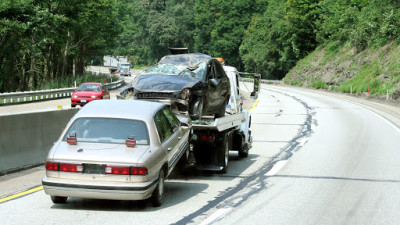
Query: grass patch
x=296, y=83
x=141, y=67
x=331, y=50
x=319, y=84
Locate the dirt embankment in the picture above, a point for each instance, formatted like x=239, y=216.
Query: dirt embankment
x=347, y=70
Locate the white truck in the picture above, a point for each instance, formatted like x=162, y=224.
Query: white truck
x=212, y=139
x=124, y=69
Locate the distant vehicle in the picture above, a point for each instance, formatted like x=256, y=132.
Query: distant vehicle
x=114, y=61
x=125, y=69
x=87, y=92
x=195, y=83
x=119, y=150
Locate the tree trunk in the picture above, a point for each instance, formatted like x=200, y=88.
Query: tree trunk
x=64, y=61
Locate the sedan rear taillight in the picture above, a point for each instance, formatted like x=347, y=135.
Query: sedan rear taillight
x=138, y=171
x=74, y=168
x=119, y=170
x=78, y=168
x=52, y=166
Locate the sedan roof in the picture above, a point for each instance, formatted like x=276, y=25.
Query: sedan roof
x=124, y=109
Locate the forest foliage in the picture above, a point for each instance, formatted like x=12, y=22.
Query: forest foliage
x=46, y=40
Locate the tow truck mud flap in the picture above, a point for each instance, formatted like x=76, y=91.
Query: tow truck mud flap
x=207, y=157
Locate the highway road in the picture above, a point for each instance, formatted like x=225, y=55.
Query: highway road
x=317, y=158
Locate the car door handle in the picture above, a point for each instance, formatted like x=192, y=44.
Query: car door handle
x=169, y=148
x=180, y=137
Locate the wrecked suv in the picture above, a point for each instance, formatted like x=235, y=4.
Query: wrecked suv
x=195, y=83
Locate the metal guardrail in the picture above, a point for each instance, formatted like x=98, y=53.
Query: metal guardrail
x=262, y=81
x=31, y=96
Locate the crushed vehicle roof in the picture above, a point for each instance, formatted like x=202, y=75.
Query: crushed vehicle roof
x=184, y=59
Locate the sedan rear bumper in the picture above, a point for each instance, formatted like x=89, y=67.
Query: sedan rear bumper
x=134, y=191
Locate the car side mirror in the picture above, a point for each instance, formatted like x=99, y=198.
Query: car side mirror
x=256, y=90
x=174, y=128
x=214, y=82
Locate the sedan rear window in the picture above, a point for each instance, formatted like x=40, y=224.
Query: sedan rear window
x=108, y=130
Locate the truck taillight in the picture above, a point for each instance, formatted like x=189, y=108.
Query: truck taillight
x=205, y=137
x=119, y=170
x=74, y=168
x=52, y=166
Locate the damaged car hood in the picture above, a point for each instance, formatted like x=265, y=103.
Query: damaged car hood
x=164, y=83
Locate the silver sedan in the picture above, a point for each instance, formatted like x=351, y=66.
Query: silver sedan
x=117, y=149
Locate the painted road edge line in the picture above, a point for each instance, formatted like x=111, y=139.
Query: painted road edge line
x=275, y=169
x=27, y=192
x=254, y=105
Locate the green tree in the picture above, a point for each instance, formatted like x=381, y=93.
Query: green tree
x=56, y=39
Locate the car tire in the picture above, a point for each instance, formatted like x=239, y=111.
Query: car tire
x=73, y=106
x=58, y=199
x=196, y=109
x=158, y=193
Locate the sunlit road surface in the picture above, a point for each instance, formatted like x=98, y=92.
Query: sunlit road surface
x=315, y=159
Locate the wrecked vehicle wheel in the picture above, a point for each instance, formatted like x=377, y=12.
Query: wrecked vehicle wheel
x=196, y=109
x=221, y=111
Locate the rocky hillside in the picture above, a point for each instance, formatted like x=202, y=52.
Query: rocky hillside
x=342, y=68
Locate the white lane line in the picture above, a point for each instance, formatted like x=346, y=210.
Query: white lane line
x=278, y=166
x=216, y=216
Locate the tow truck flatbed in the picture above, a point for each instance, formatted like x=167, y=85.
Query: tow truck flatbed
x=219, y=124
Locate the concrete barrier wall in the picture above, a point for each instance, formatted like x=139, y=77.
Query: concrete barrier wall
x=26, y=139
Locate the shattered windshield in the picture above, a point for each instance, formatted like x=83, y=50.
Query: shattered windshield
x=195, y=71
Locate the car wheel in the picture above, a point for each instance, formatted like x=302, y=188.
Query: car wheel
x=196, y=109
x=58, y=199
x=73, y=106
x=158, y=193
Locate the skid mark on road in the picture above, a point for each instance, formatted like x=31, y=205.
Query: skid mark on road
x=257, y=182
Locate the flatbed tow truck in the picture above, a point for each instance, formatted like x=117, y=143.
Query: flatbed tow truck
x=212, y=139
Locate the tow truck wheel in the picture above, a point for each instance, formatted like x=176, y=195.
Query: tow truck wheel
x=224, y=151
x=244, y=152
x=158, y=193
x=58, y=199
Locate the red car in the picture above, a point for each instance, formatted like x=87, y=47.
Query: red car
x=87, y=92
